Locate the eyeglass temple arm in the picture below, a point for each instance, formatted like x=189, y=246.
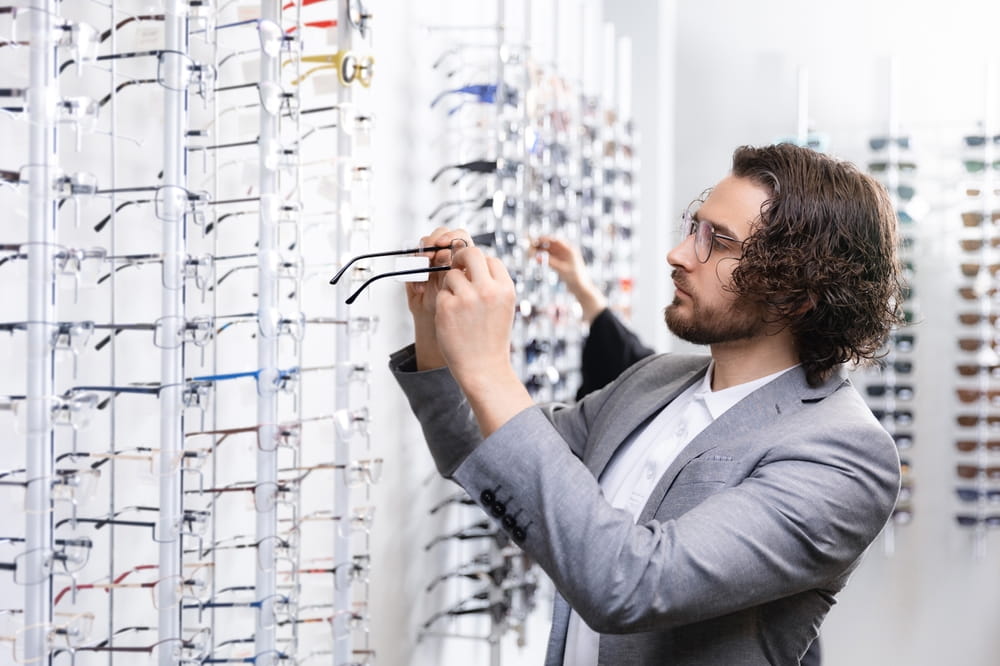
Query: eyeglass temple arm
x=412, y=271
x=389, y=253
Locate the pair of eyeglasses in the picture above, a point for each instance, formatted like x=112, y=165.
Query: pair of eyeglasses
x=899, y=367
x=974, y=218
x=903, y=440
x=975, y=244
x=978, y=166
x=971, y=370
x=360, y=519
x=974, y=140
x=881, y=390
x=287, y=434
x=973, y=269
x=967, y=494
x=454, y=246
x=967, y=445
x=885, y=166
x=75, y=486
x=67, y=558
x=354, y=570
x=479, y=93
x=883, y=142
x=356, y=473
x=67, y=632
x=975, y=344
x=265, y=496
x=190, y=522
x=897, y=417
x=976, y=293
x=74, y=409
x=189, y=460
x=968, y=395
x=706, y=238
x=971, y=420
x=190, y=650
x=969, y=520
x=967, y=471
x=193, y=580
x=192, y=75
x=972, y=318
x=350, y=68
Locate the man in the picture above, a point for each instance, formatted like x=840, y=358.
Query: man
x=699, y=509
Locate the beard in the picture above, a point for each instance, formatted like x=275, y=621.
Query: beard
x=707, y=325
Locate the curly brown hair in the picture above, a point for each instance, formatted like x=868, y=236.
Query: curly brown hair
x=822, y=256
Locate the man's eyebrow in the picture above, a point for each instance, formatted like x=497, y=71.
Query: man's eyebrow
x=719, y=227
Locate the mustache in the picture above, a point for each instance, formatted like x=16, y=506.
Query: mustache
x=680, y=279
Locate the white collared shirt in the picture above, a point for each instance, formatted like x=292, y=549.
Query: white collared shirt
x=640, y=462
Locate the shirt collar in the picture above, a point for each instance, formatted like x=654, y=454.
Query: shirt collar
x=718, y=402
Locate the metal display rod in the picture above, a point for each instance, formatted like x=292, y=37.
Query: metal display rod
x=172, y=306
x=41, y=309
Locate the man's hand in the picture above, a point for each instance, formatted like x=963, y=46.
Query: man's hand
x=421, y=297
x=473, y=316
x=568, y=263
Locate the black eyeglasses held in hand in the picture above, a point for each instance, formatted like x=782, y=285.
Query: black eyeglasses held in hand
x=453, y=246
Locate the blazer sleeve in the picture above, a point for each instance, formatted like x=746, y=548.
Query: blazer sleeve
x=609, y=349
x=818, y=495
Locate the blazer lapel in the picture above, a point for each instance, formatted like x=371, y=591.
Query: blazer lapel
x=634, y=410
x=784, y=395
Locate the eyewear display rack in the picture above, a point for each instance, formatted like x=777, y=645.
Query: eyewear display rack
x=890, y=389
x=534, y=102
x=188, y=424
x=976, y=469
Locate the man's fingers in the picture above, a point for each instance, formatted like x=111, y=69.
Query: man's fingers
x=472, y=261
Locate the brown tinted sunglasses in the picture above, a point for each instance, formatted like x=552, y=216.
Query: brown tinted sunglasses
x=974, y=471
x=975, y=218
x=968, y=445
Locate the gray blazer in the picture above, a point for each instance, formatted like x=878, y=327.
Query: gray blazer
x=744, y=542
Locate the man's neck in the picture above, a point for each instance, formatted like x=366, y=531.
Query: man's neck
x=746, y=360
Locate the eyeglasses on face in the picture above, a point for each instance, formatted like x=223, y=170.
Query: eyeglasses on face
x=706, y=238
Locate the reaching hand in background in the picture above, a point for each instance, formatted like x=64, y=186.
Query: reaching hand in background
x=567, y=261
